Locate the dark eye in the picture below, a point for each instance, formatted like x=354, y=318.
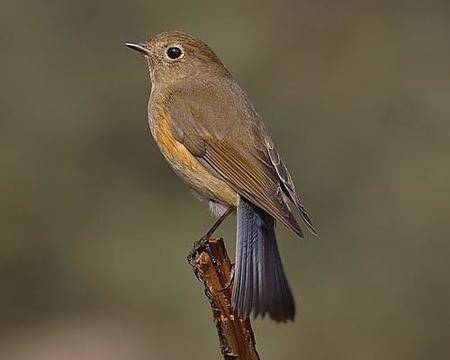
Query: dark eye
x=174, y=52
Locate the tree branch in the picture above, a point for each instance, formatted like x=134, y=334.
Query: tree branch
x=213, y=268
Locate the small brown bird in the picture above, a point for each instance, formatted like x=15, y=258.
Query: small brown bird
x=213, y=138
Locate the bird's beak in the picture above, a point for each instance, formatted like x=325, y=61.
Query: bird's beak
x=142, y=48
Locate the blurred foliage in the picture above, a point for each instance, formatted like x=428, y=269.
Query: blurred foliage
x=94, y=225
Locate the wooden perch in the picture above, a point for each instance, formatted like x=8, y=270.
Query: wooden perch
x=212, y=267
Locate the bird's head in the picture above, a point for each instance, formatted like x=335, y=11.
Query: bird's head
x=174, y=55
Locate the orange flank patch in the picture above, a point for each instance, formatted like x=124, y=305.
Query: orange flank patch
x=187, y=167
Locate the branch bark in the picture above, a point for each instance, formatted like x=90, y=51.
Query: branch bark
x=213, y=268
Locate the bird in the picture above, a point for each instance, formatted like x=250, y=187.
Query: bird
x=214, y=139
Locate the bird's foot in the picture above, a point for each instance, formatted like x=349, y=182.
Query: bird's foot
x=200, y=244
x=197, y=247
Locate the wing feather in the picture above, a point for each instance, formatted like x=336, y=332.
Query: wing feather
x=250, y=182
x=288, y=184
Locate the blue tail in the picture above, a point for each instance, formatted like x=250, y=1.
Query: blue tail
x=260, y=284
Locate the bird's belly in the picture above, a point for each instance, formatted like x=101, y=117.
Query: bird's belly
x=188, y=168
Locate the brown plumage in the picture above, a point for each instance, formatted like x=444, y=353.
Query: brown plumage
x=214, y=139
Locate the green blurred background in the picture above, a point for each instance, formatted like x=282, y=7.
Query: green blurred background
x=95, y=228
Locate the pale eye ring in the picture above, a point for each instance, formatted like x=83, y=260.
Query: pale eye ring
x=174, y=52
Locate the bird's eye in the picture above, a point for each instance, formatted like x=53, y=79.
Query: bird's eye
x=174, y=52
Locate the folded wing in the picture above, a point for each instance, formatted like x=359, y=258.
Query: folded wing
x=228, y=138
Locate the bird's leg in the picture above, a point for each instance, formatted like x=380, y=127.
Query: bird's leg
x=204, y=239
x=218, y=222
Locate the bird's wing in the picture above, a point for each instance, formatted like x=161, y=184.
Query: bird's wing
x=287, y=183
x=226, y=137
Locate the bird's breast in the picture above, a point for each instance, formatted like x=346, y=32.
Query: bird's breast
x=185, y=165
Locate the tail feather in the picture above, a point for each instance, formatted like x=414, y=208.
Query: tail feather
x=260, y=284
